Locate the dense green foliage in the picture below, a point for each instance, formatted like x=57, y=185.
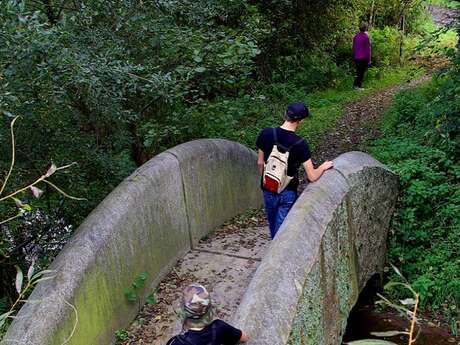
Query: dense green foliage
x=422, y=144
x=110, y=84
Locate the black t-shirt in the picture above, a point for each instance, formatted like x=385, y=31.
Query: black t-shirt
x=298, y=154
x=217, y=332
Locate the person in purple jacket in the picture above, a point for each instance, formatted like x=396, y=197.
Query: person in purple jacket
x=361, y=54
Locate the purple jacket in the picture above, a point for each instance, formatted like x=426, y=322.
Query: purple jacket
x=361, y=47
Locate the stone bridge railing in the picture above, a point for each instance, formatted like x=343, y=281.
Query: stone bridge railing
x=148, y=222
x=331, y=243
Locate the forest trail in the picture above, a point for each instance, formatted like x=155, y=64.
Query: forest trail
x=443, y=16
x=359, y=122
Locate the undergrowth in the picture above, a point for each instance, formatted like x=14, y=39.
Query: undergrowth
x=268, y=105
x=420, y=144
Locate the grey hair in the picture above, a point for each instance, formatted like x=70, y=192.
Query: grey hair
x=363, y=27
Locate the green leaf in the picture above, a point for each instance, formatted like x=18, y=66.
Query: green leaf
x=37, y=192
x=7, y=113
x=130, y=295
x=151, y=299
x=408, y=301
x=52, y=169
x=197, y=58
x=40, y=273
x=4, y=317
x=371, y=342
x=30, y=272
x=200, y=69
x=398, y=272
x=388, y=333
x=142, y=277
x=17, y=202
x=42, y=279
x=140, y=280
x=26, y=207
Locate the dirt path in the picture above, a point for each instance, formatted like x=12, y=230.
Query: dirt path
x=443, y=16
x=361, y=117
x=359, y=123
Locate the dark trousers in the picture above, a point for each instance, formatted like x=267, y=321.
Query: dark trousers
x=361, y=68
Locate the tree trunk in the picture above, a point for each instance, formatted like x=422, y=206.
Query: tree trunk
x=401, y=40
x=372, y=15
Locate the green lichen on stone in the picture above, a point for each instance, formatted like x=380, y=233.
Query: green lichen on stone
x=331, y=288
x=307, y=326
x=94, y=306
x=346, y=278
x=100, y=302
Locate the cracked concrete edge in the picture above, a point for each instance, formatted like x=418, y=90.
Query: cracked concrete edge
x=144, y=225
x=292, y=271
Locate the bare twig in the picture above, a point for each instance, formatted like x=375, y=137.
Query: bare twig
x=66, y=166
x=13, y=155
x=413, y=321
x=43, y=179
x=62, y=192
x=9, y=196
x=75, y=324
x=10, y=219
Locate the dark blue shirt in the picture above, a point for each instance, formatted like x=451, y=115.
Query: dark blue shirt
x=217, y=332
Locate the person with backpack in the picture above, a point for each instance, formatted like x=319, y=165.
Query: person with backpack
x=199, y=328
x=280, y=154
x=361, y=54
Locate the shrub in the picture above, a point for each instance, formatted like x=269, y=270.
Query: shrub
x=425, y=231
x=385, y=46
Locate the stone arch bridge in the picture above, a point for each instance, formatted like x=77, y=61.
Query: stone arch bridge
x=302, y=289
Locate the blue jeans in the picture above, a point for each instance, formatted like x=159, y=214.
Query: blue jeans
x=277, y=207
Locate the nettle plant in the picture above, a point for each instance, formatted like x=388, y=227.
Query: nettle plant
x=133, y=292
x=403, y=308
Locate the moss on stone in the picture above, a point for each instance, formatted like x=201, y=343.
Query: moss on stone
x=307, y=326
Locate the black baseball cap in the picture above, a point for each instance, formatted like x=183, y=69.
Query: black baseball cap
x=297, y=111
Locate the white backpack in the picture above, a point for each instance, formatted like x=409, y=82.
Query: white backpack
x=275, y=177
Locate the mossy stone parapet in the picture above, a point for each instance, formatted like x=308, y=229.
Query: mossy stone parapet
x=217, y=180
x=331, y=243
x=150, y=220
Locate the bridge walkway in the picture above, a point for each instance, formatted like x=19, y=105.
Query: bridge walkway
x=224, y=262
